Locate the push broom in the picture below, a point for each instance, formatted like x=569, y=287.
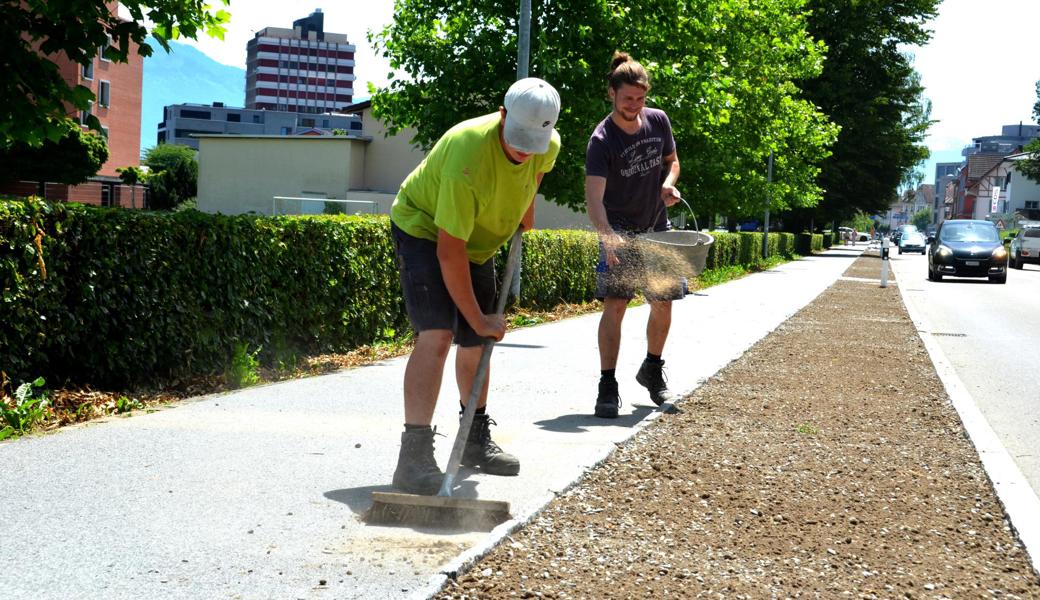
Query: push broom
x=391, y=508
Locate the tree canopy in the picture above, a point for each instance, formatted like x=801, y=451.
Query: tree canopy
x=1031, y=166
x=173, y=175
x=73, y=158
x=869, y=87
x=726, y=71
x=36, y=97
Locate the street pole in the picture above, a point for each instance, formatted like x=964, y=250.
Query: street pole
x=523, y=54
x=765, y=229
x=523, y=46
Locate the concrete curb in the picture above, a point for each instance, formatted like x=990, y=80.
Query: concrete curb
x=466, y=560
x=1021, y=504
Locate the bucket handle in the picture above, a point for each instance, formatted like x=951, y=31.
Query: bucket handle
x=683, y=200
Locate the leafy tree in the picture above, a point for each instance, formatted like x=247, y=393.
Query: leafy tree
x=922, y=218
x=131, y=176
x=72, y=158
x=724, y=70
x=174, y=175
x=869, y=88
x=1031, y=166
x=36, y=96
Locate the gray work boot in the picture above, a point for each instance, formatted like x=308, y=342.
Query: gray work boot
x=417, y=471
x=482, y=453
x=651, y=376
x=608, y=400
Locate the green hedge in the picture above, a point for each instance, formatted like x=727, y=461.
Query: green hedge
x=132, y=297
x=745, y=247
x=121, y=297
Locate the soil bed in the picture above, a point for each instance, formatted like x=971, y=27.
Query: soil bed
x=826, y=462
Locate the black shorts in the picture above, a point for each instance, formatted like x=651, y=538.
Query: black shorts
x=426, y=298
x=635, y=273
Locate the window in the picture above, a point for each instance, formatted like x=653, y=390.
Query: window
x=324, y=123
x=286, y=130
x=104, y=93
x=195, y=114
x=306, y=122
x=84, y=115
x=256, y=119
x=1034, y=204
x=234, y=118
x=88, y=70
x=107, y=194
x=998, y=182
x=104, y=132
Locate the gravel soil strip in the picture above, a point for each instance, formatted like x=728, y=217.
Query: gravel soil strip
x=826, y=462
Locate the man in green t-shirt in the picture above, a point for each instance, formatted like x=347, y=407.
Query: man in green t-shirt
x=452, y=214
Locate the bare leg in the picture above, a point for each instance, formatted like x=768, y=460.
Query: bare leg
x=610, y=331
x=422, y=376
x=466, y=362
x=657, y=326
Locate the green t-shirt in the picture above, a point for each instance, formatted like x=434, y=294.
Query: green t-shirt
x=469, y=188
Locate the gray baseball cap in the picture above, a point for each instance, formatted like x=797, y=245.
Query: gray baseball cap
x=532, y=108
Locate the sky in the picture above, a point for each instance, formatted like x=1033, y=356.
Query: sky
x=979, y=70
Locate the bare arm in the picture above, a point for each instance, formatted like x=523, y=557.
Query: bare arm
x=451, y=253
x=527, y=223
x=670, y=195
x=594, y=188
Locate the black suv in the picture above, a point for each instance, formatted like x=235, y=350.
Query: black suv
x=967, y=248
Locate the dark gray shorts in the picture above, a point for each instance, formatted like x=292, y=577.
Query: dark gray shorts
x=426, y=298
x=634, y=274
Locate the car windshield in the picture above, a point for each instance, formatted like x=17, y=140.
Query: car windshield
x=969, y=232
x=913, y=236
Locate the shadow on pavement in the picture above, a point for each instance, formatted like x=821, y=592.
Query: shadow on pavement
x=579, y=423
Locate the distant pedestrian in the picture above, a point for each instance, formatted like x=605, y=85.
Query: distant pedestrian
x=631, y=167
x=452, y=214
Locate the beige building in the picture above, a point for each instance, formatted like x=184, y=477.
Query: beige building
x=315, y=174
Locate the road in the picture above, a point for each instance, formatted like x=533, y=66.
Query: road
x=990, y=335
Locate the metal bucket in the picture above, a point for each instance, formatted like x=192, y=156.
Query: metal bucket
x=676, y=253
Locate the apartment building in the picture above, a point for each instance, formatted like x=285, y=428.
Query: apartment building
x=183, y=122
x=303, y=70
x=117, y=105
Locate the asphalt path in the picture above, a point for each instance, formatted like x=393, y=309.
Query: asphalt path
x=990, y=333
x=257, y=493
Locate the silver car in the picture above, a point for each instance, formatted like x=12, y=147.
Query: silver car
x=912, y=241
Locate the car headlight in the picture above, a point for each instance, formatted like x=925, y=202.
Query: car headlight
x=944, y=251
x=1000, y=253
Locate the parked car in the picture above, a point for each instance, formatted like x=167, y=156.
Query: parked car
x=912, y=241
x=967, y=248
x=1025, y=247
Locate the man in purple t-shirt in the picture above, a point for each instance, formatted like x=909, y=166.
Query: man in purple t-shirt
x=630, y=173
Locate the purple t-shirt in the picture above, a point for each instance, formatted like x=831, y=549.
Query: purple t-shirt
x=634, y=167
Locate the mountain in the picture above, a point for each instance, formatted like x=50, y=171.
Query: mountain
x=185, y=75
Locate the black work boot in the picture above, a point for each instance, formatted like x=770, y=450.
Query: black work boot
x=608, y=400
x=651, y=376
x=482, y=453
x=417, y=471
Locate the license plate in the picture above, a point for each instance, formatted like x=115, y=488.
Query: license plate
x=971, y=263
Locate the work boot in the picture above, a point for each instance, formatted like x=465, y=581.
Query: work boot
x=482, y=453
x=417, y=471
x=609, y=400
x=651, y=376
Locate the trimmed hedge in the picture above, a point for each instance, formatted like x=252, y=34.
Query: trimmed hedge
x=132, y=297
x=112, y=297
